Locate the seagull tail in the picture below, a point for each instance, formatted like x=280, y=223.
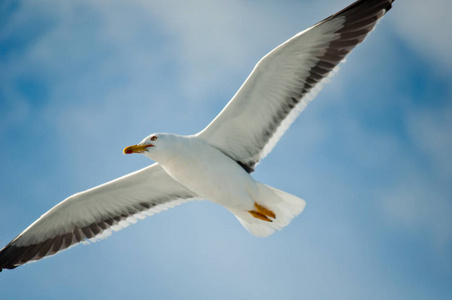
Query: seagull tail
x=279, y=206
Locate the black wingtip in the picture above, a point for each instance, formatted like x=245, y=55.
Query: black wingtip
x=381, y=4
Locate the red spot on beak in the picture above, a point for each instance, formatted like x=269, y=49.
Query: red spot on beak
x=136, y=148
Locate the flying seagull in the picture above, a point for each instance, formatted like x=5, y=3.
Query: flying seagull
x=216, y=163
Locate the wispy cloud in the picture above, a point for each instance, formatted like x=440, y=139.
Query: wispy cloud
x=425, y=27
x=371, y=152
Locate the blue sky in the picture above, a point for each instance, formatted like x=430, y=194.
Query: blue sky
x=80, y=80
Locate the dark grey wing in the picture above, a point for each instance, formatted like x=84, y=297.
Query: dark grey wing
x=285, y=80
x=94, y=213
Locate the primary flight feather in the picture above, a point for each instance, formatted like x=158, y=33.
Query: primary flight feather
x=216, y=163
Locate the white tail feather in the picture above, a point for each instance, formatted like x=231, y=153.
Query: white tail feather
x=284, y=205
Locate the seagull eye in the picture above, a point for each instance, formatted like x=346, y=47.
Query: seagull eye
x=153, y=138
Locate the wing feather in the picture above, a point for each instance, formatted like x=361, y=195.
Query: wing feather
x=285, y=80
x=93, y=214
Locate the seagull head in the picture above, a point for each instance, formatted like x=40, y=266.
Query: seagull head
x=149, y=145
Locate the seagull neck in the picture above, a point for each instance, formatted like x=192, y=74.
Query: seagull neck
x=173, y=149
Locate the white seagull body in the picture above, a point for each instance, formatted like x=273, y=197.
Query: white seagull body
x=216, y=163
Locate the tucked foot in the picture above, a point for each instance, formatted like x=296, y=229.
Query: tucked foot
x=265, y=211
x=260, y=216
x=262, y=213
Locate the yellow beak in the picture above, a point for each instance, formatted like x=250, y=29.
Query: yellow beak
x=136, y=148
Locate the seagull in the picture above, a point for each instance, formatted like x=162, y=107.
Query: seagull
x=216, y=163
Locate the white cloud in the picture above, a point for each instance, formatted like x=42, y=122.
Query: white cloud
x=211, y=41
x=426, y=26
x=108, y=64
x=415, y=206
x=419, y=200
x=430, y=130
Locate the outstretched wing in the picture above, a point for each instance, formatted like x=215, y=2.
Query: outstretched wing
x=285, y=80
x=94, y=213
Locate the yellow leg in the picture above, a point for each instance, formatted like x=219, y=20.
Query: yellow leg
x=259, y=215
x=262, y=213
